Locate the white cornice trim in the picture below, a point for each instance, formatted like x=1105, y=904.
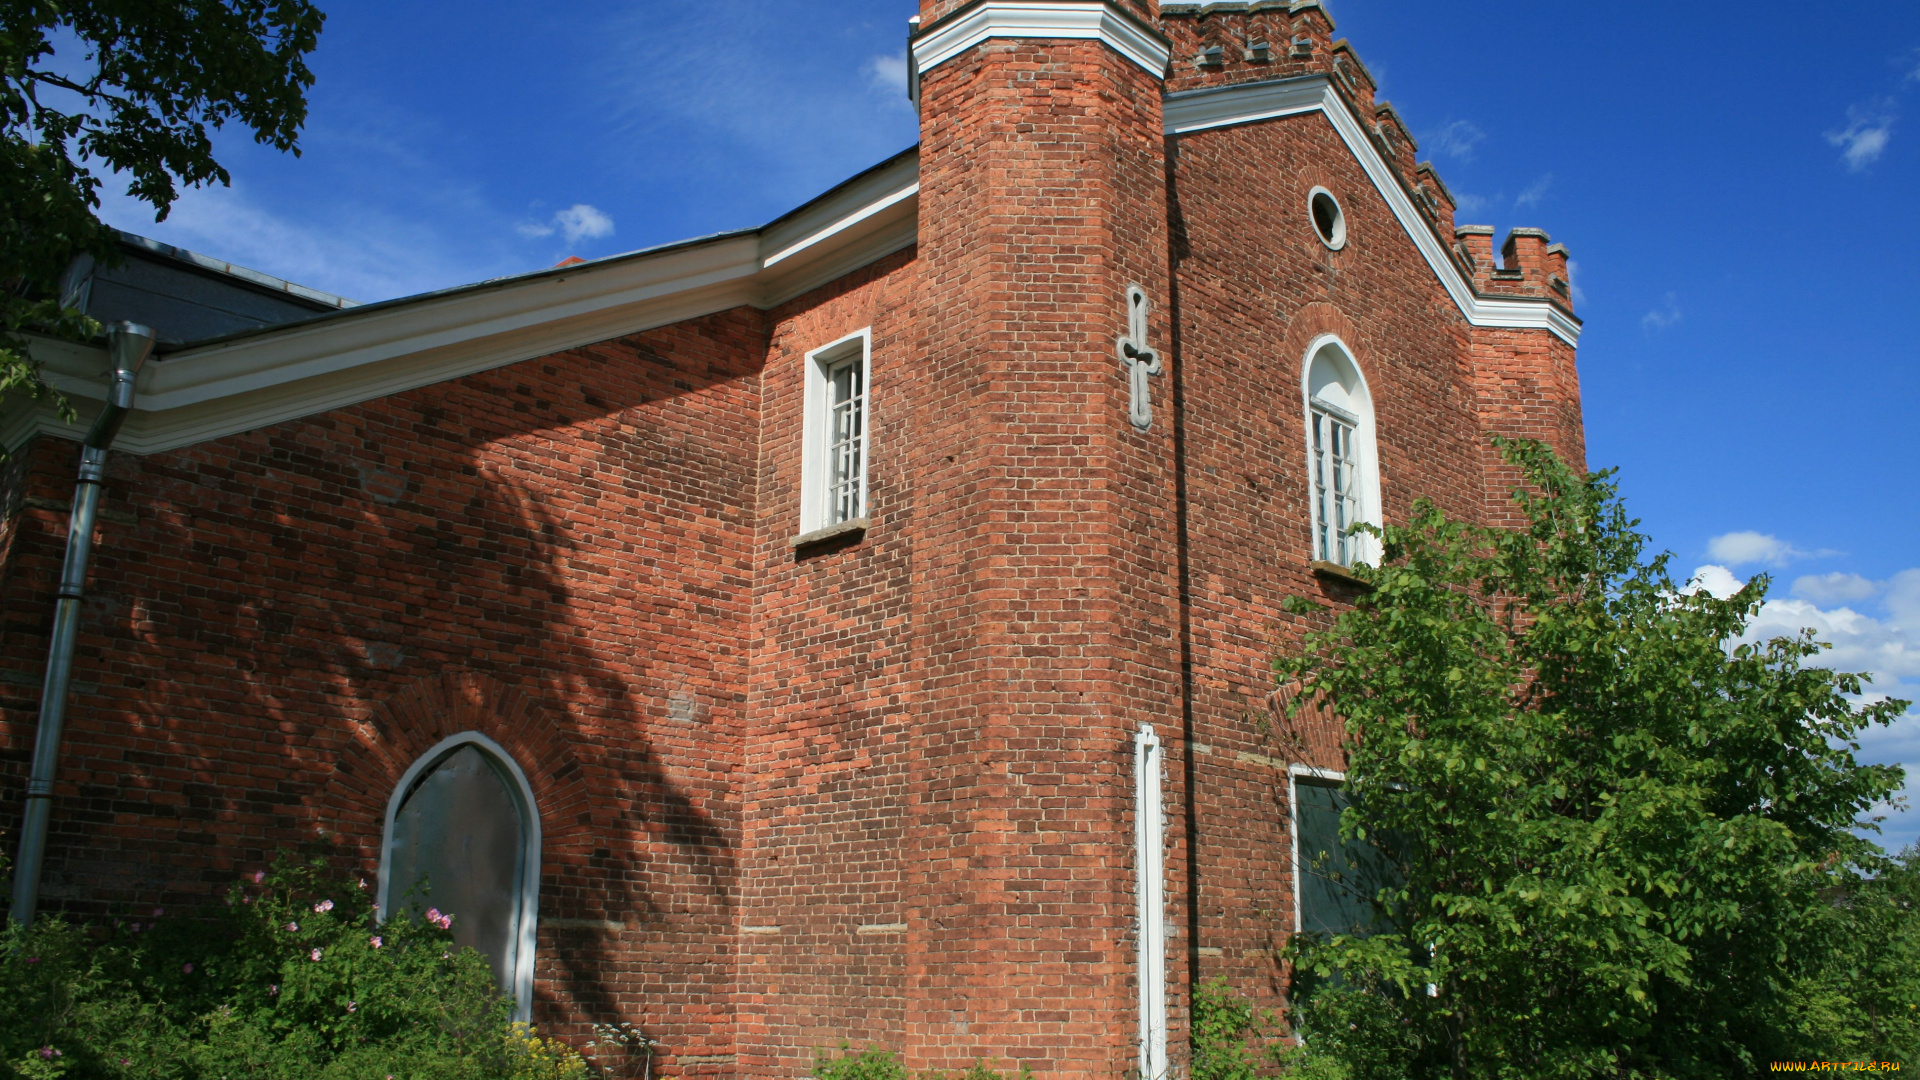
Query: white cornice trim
x=1199, y=110
x=243, y=383
x=1040, y=19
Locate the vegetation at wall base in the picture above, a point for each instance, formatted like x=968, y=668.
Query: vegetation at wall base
x=1625, y=839
x=137, y=91
x=876, y=1063
x=293, y=980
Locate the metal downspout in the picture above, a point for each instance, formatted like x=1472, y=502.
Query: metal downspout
x=129, y=344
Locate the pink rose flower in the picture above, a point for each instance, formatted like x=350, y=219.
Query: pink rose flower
x=259, y=876
x=316, y=954
x=323, y=906
x=293, y=928
x=376, y=941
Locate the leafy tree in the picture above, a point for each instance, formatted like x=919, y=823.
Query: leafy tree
x=134, y=86
x=1625, y=841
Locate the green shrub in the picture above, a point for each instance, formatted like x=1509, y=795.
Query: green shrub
x=1223, y=1021
x=874, y=1063
x=294, y=979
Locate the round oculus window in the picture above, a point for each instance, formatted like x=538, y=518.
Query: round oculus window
x=1328, y=222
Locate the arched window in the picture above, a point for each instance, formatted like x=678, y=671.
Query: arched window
x=463, y=836
x=1342, y=464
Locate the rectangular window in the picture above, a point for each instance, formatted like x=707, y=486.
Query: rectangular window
x=846, y=441
x=1335, y=881
x=1336, y=484
x=833, y=486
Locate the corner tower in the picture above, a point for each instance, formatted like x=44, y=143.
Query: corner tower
x=1045, y=602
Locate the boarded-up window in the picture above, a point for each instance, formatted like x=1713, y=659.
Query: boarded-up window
x=1335, y=881
x=459, y=845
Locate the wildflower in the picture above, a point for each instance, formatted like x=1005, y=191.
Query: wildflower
x=433, y=914
x=376, y=941
x=436, y=918
x=323, y=906
x=186, y=969
x=315, y=954
x=363, y=883
x=259, y=876
x=353, y=1006
x=293, y=928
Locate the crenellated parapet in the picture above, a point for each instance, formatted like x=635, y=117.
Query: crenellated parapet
x=1237, y=42
x=1531, y=265
x=1221, y=44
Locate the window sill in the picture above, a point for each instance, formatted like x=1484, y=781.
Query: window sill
x=850, y=530
x=1337, y=572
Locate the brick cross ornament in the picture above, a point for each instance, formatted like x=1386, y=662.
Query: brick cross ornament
x=1139, y=359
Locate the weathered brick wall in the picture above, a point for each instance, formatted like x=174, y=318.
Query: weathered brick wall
x=558, y=553
x=1256, y=288
x=1044, y=610
x=821, y=955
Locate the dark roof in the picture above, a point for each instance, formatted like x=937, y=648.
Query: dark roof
x=186, y=296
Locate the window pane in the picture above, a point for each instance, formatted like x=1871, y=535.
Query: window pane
x=1336, y=487
x=457, y=845
x=846, y=442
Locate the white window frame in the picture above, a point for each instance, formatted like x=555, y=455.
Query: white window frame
x=528, y=925
x=816, y=482
x=1294, y=774
x=1365, y=550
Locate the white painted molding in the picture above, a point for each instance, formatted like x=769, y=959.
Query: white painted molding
x=1216, y=107
x=529, y=923
x=1149, y=866
x=250, y=381
x=1059, y=19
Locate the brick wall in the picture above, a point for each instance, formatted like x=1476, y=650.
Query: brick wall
x=1044, y=592
x=1256, y=287
x=559, y=553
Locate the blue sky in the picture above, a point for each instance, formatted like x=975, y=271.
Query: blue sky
x=1735, y=182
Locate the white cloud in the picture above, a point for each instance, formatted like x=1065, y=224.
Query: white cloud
x=1836, y=588
x=582, y=222
x=576, y=223
x=1913, y=68
x=1573, y=281
x=888, y=74
x=1741, y=548
x=1663, y=316
x=1886, y=648
x=1865, y=136
x=1457, y=140
x=1715, y=581
x=1535, y=192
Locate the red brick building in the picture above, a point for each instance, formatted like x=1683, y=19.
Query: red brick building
x=854, y=628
